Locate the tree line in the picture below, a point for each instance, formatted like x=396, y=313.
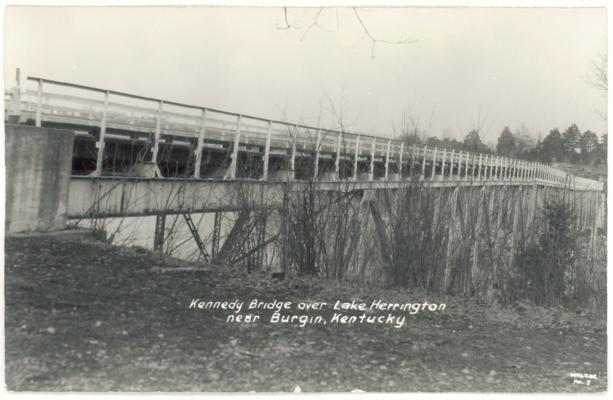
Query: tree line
x=570, y=146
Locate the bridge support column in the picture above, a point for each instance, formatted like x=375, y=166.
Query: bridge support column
x=38, y=164
x=453, y=231
x=159, y=233
x=261, y=240
x=476, y=270
x=517, y=218
x=216, y=234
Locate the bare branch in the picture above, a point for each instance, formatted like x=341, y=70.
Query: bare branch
x=315, y=23
x=374, y=40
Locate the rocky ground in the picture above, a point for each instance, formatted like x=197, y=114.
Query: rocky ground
x=83, y=315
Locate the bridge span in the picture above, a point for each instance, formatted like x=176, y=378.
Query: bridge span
x=348, y=204
x=143, y=139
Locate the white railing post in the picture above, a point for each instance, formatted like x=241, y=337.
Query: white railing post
x=371, y=171
x=292, y=163
x=451, y=164
x=480, y=166
x=413, y=160
x=14, y=109
x=39, y=104
x=473, y=167
x=542, y=172
x=466, y=165
x=158, y=132
x=516, y=175
x=423, y=163
x=337, y=161
x=433, y=164
x=400, y=160
x=199, y=144
x=267, y=152
x=506, y=168
x=443, y=163
x=356, y=158
x=101, y=141
x=234, y=162
x=530, y=166
x=387, y=158
x=460, y=158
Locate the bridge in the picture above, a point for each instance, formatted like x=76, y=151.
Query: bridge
x=81, y=152
x=128, y=146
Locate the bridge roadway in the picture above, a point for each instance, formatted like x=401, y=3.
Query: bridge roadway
x=188, y=158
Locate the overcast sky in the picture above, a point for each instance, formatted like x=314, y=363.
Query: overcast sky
x=517, y=66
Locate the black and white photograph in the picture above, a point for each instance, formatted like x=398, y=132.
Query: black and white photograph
x=317, y=198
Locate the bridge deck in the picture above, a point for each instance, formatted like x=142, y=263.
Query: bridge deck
x=104, y=115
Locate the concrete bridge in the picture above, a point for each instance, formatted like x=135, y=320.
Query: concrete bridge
x=76, y=152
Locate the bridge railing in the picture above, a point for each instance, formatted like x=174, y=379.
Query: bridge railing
x=115, y=113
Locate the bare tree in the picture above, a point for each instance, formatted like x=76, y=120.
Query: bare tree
x=598, y=72
x=598, y=77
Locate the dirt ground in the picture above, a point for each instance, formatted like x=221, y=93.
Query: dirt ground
x=84, y=316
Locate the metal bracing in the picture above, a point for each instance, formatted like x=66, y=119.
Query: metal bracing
x=196, y=235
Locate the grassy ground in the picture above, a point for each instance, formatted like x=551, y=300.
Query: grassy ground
x=86, y=316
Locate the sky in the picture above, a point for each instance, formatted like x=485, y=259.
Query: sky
x=455, y=68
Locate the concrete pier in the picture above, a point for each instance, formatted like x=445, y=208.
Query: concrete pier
x=38, y=166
